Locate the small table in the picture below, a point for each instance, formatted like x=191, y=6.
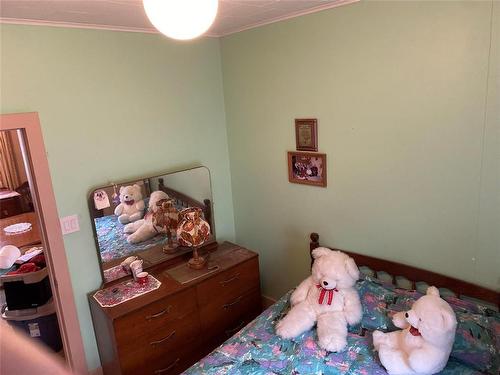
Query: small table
x=31, y=237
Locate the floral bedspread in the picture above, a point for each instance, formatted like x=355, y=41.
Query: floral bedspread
x=257, y=350
x=113, y=242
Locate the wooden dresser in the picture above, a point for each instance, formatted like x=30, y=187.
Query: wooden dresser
x=167, y=330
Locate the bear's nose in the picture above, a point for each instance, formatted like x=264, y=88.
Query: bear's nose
x=406, y=315
x=325, y=283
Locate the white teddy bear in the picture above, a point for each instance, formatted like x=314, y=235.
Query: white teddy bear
x=425, y=341
x=143, y=229
x=327, y=297
x=131, y=207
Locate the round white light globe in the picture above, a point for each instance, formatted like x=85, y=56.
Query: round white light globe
x=181, y=19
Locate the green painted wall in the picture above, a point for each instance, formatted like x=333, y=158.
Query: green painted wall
x=488, y=246
x=407, y=97
x=114, y=106
x=399, y=89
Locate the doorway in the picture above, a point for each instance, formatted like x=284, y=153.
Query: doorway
x=25, y=292
x=29, y=222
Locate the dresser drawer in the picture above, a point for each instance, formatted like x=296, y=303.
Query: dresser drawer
x=169, y=365
x=173, y=362
x=166, y=344
x=221, y=317
x=230, y=331
x=229, y=284
x=156, y=315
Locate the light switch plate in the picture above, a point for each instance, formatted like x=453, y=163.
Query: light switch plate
x=69, y=224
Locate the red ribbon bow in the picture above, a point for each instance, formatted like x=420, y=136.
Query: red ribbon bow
x=324, y=292
x=414, y=331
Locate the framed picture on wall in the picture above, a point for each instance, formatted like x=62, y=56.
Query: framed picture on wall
x=306, y=134
x=307, y=168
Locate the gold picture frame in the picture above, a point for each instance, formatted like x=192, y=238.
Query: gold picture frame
x=306, y=134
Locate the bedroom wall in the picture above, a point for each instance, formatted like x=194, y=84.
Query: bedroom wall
x=400, y=91
x=115, y=106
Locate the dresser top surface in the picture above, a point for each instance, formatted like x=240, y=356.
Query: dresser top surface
x=225, y=257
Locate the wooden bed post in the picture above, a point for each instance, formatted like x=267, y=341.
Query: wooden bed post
x=313, y=244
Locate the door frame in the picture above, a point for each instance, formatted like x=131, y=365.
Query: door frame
x=55, y=253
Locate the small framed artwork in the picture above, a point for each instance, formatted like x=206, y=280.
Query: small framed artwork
x=307, y=168
x=306, y=134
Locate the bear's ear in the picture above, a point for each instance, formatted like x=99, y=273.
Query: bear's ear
x=432, y=291
x=121, y=189
x=137, y=187
x=352, y=268
x=448, y=319
x=320, y=251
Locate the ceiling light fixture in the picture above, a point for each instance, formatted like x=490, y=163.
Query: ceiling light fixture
x=181, y=19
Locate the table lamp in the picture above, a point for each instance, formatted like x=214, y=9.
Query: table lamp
x=193, y=231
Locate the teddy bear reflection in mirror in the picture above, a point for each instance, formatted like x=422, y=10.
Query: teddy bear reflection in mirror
x=328, y=298
x=144, y=229
x=425, y=341
x=131, y=207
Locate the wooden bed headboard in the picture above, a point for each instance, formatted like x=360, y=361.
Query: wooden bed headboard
x=414, y=274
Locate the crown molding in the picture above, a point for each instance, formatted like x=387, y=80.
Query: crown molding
x=304, y=12
x=90, y=26
x=75, y=25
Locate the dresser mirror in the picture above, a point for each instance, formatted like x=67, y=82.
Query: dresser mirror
x=122, y=218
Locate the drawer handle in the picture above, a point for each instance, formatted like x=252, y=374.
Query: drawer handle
x=235, y=277
x=157, y=315
x=228, y=305
x=183, y=316
x=163, y=339
x=229, y=332
x=168, y=367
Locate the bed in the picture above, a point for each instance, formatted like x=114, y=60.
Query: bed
x=257, y=350
x=111, y=240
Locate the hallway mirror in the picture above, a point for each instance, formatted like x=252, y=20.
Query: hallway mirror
x=26, y=294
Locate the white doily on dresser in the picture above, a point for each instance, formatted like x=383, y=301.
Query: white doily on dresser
x=17, y=228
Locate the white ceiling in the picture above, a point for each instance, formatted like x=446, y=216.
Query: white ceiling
x=128, y=15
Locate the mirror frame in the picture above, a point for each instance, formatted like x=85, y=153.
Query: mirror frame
x=177, y=256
